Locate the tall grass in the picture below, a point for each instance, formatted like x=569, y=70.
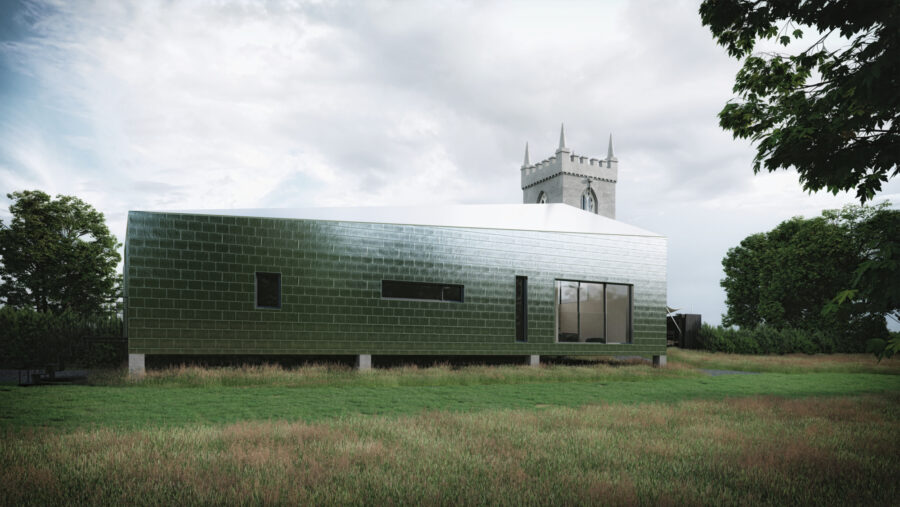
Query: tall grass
x=763, y=450
x=337, y=375
x=788, y=363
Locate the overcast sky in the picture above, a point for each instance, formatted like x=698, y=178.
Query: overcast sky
x=187, y=105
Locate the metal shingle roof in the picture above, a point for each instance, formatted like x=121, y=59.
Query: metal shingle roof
x=529, y=217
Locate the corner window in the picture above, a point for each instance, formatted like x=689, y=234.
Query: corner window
x=268, y=290
x=393, y=289
x=593, y=312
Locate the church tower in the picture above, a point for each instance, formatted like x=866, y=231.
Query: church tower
x=583, y=182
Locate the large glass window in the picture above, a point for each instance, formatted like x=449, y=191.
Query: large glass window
x=590, y=312
x=268, y=290
x=393, y=289
x=567, y=297
x=593, y=312
x=618, y=310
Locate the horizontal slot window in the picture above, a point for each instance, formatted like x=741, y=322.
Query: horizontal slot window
x=393, y=289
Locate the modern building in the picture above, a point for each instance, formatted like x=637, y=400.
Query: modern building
x=513, y=280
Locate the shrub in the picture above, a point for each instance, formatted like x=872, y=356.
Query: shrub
x=31, y=339
x=769, y=340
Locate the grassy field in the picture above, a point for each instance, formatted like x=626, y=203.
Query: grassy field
x=788, y=363
x=813, y=432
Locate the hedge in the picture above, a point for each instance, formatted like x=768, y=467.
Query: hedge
x=31, y=339
x=768, y=340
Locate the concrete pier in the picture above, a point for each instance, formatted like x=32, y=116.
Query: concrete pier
x=136, y=365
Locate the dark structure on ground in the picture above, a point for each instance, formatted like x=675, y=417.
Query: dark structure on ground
x=683, y=330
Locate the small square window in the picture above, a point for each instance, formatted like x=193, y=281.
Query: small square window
x=268, y=290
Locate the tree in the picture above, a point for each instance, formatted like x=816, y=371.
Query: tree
x=785, y=277
x=782, y=278
x=57, y=255
x=742, y=267
x=831, y=113
x=875, y=280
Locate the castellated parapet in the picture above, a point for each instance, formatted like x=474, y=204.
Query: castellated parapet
x=569, y=163
x=572, y=179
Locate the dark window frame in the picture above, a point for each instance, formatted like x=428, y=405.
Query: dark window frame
x=521, y=308
x=256, y=290
x=629, y=319
x=446, y=296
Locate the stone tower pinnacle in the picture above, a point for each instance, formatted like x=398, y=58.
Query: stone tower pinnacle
x=527, y=161
x=609, y=152
x=562, y=137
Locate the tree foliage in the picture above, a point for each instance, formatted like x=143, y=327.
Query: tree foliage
x=57, y=255
x=784, y=278
x=832, y=111
x=876, y=280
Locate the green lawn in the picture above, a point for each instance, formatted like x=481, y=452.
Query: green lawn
x=68, y=407
x=603, y=433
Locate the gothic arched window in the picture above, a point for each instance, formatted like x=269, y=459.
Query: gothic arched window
x=542, y=198
x=589, y=201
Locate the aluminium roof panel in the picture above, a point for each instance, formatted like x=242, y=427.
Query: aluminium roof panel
x=528, y=217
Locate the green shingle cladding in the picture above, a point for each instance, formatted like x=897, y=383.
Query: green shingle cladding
x=190, y=286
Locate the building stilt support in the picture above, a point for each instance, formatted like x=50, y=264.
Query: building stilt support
x=136, y=365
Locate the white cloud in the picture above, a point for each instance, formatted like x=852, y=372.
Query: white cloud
x=185, y=105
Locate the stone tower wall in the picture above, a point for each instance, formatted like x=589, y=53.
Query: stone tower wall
x=562, y=178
